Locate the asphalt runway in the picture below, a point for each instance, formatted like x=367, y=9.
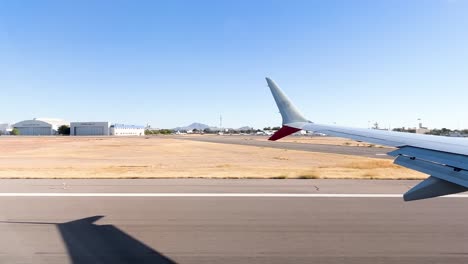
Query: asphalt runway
x=79, y=226
x=248, y=141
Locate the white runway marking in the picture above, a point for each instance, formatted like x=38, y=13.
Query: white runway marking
x=272, y=195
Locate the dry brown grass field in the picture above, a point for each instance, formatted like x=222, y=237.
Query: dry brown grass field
x=169, y=157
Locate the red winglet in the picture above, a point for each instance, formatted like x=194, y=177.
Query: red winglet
x=284, y=131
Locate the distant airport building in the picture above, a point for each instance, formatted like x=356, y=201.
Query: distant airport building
x=127, y=130
x=5, y=129
x=89, y=128
x=421, y=129
x=39, y=126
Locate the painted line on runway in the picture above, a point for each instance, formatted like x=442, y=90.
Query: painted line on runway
x=272, y=195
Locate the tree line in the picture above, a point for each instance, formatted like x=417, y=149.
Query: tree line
x=438, y=132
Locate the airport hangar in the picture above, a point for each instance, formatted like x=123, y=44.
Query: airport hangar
x=49, y=126
x=104, y=129
x=39, y=126
x=89, y=128
x=5, y=129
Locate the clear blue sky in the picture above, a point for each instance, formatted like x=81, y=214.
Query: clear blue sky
x=170, y=63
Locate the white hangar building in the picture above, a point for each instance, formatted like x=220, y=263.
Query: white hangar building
x=5, y=129
x=39, y=126
x=89, y=128
x=127, y=130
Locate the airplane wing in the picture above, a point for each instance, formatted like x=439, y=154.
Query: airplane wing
x=445, y=159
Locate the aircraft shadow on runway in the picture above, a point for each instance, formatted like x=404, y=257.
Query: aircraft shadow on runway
x=87, y=242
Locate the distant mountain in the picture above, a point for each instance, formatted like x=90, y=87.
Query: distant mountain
x=198, y=126
x=201, y=127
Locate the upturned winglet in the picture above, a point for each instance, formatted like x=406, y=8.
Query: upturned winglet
x=288, y=111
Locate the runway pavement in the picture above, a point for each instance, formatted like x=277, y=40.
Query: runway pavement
x=184, y=228
x=246, y=141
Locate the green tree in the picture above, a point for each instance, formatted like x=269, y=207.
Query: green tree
x=15, y=132
x=63, y=130
x=165, y=131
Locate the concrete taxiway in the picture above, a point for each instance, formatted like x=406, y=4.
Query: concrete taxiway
x=131, y=226
x=345, y=150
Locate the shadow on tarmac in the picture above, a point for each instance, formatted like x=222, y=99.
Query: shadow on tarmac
x=87, y=242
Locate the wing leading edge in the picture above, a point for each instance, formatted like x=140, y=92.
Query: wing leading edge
x=444, y=159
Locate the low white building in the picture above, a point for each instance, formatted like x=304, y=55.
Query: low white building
x=127, y=130
x=89, y=128
x=39, y=126
x=422, y=130
x=5, y=129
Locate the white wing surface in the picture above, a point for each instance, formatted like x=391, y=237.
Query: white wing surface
x=445, y=159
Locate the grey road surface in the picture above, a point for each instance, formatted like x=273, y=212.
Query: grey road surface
x=227, y=229
x=372, y=152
